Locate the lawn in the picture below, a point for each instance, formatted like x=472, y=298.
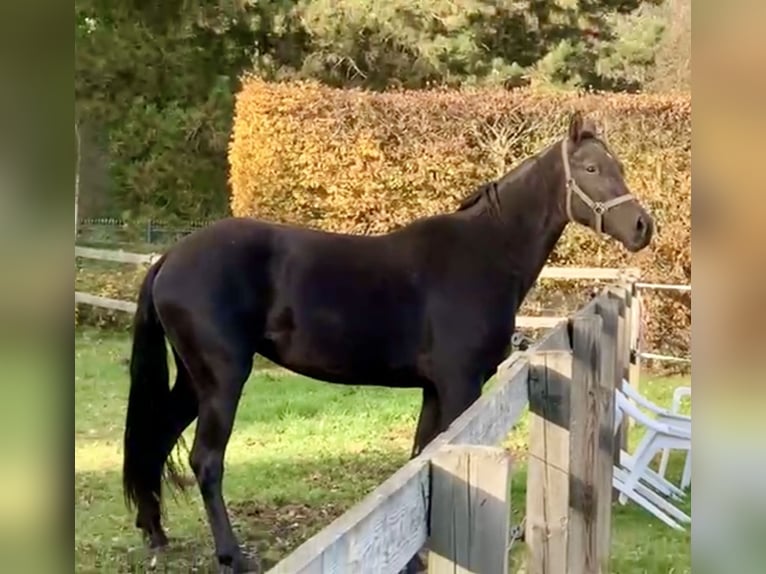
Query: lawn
x=302, y=452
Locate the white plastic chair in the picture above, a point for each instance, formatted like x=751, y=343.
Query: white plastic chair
x=654, y=479
x=672, y=417
x=648, y=499
x=686, y=476
x=633, y=478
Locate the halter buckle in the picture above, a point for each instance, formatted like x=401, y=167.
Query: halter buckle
x=599, y=208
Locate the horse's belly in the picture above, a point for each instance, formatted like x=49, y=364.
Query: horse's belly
x=336, y=341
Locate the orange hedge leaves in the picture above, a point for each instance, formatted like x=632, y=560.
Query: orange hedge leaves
x=367, y=162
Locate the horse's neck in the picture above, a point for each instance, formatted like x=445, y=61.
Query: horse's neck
x=533, y=219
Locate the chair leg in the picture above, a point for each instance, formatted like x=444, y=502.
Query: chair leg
x=686, y=477
x=663, y=468
x=663, y=504
x=641, y=459
x=633, y=495
x=653, y=479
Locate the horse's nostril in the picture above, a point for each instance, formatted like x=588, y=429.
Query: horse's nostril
x=641, y=224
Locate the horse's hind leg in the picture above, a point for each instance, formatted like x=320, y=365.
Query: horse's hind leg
x=219, y=371
x=182, y=411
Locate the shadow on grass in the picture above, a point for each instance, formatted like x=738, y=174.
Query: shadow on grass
x=641, y=544
x=275, y=505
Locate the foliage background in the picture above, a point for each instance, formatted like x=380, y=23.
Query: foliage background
x=357, y=161
x=155, y=83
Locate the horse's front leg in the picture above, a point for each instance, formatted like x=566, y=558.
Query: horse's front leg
x=428, y=421
x=441, y=406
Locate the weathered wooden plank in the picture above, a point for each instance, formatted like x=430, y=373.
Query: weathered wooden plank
x=356, y=541
x=556, y=339
x=590, y=458
x=492, y=416
x=590, y=308
x=116, y=255
x=619, y=294
x=379, y=534
x=634, y=371
x=559, y=338
x=105, y=302
x=595, y=273
x=664, y=286
x=548, y=462
x=550, y=321
x=610, y=378
x=538, y=322
x=470, y=510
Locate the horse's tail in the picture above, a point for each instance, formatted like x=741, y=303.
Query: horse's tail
x=147, y=420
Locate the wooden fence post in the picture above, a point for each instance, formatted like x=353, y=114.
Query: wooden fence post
x=548, y=462
x=591, y=447
x=77, y=178
x=614, y=319
x=571, y=446
x=470, y=510
x=624, y=294
x=634, y=369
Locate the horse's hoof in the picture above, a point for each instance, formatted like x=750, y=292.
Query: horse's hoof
x=158, y=541
x=241, y=565
x=155, y=557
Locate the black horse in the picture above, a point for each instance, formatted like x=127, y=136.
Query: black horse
x=430, y=305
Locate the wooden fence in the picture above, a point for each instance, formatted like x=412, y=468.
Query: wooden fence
x=118, y=256
x=522, y=321
x=454, y=499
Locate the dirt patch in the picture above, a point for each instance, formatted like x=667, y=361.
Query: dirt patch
x=278, y=530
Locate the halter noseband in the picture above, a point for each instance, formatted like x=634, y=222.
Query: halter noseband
x=598, y=208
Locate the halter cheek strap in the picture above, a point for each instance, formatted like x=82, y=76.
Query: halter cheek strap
x=599, y=208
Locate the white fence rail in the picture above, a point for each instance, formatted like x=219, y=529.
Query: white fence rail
x=539, y=322
x=522, y=321
x=118, y=255
x=104, y=302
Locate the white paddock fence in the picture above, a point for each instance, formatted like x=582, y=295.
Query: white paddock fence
x=118, y=256
x=628, y=277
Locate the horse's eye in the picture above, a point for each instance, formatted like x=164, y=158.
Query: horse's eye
x=590, y=168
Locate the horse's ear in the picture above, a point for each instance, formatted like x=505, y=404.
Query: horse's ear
x=581, y=127
x=575, y=126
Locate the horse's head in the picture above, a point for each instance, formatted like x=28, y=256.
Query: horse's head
x=596, y=193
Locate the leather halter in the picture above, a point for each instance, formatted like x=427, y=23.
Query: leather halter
x=599, y=208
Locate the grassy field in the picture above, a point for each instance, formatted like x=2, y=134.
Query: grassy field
x=302, y=452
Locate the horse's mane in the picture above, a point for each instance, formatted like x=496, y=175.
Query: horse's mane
x=480, y=192
x=489, y=190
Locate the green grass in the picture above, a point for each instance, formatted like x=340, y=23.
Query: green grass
x=302, y=452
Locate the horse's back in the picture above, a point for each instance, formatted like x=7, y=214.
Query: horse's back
x=333, y=305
